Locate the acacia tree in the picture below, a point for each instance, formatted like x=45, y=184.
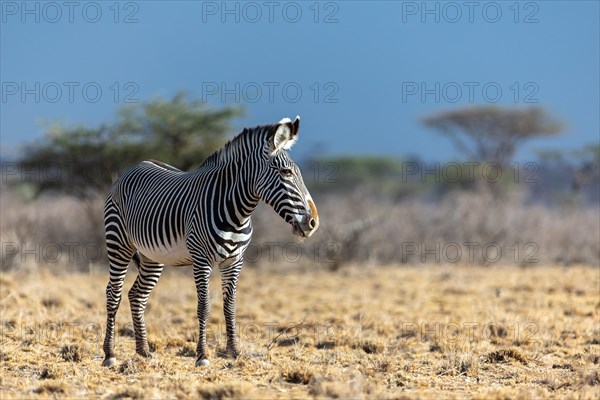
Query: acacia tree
x=493, y=134
x=84, y=161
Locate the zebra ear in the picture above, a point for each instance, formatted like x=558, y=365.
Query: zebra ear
x=286, y=134
x=296, y=125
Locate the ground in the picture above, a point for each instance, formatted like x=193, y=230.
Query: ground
x=381, y=332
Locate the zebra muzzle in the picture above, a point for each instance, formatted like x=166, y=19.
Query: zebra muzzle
x=305, y=228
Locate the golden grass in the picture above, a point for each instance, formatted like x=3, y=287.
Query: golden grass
x=394, y=332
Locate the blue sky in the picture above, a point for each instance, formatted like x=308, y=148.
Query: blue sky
x=360, y=74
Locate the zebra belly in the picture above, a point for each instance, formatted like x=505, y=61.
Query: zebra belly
x=176, y=255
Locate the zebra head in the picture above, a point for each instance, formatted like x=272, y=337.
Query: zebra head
x=280, y=183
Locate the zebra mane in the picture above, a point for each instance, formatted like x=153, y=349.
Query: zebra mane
x=245, y=137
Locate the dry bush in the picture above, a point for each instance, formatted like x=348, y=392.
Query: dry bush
x=53, y=231
x=459, y=364
x=129, y=366
x=51, y=387
x=464, y=227
x=51, y=372
x=223, y=391
x=505, y=355
x=187, y=350
x=342, y=387
x=300, y=376
x=591, y=379
x=130, y=393
x=71, y=352
x=370, y=346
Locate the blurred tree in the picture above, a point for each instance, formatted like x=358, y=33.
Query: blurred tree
x=84, y=161
x=578, y=170
x=379, y=176
x=587, y=170
x=493, y=134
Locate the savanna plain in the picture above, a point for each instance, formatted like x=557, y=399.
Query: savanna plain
x=380, y=332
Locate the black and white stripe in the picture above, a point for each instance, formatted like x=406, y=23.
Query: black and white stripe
x=160, y=215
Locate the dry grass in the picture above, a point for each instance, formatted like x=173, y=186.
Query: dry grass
x=428, y=332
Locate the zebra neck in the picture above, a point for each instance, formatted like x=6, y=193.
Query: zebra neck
x=239, y=201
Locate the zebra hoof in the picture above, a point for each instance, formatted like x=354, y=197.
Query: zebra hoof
x=145, y=354
x=109, y=362
x=202, y=363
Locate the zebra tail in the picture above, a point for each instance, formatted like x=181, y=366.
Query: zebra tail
x=137, y=259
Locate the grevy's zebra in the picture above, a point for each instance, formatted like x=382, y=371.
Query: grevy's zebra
x=160, y=215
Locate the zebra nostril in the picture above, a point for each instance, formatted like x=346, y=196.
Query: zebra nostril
x=312, y=223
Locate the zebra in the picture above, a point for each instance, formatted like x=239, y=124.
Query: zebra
x=157, y=214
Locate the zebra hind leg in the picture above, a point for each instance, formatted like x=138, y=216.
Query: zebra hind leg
x=149, y=273
x=119, y=257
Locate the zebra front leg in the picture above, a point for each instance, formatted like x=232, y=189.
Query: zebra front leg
x=202, y=271
x=229, y=278
x=149, y=273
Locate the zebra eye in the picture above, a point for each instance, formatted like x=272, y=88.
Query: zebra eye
x=287, y=172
